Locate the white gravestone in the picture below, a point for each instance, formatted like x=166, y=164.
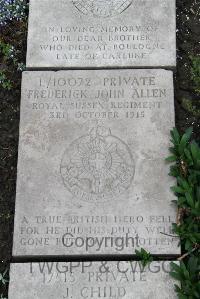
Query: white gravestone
x=92, y=179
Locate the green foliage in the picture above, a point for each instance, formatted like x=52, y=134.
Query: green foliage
x=9, y=56
x=185, y=156
x=195, y=72
x=188, y=275
x=4, y=81
x=188, y=233
x=144, y=256
x=3, y=281
x=3, y=277
x=6, y=50
x=190, y=107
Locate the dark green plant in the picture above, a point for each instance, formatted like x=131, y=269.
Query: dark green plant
x=188, y=275
x=3, y=282
x=144, y=256
x=3, y=277
x=9, y=57
x=185, y=156
x=195, y=72
x=4, y=81
x=190, y=107
x=6, y=50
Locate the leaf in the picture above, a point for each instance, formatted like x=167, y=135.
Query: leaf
x=198, y=192
x=184, y=140
x=188, y=155
x=183, y=183
x=175, y=275
x=188, y=132
x=198, y=163
x=175, y=136
x=175, y=267
x=181, y=201
x=188, y=245
x=172, y=158
x=190, y=200
x=145, y=256
x=195, y=150
x=193, y=264
x=177, y=288
x=172, y=150
x=177, y=189
x=137, y=252
x=183, y=266
x=3, y=280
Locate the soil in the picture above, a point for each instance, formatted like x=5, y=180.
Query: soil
x=188, y=44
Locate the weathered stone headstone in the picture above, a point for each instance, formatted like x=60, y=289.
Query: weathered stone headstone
x=91, y=173
x=96, y=33
x=76, y=280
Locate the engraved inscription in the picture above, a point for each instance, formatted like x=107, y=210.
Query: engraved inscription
x=92, y=280
x=97, y=233
x=102, y=33
x=98, y=166
x=124, y=97
x=102, y=8
x=84, y=158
